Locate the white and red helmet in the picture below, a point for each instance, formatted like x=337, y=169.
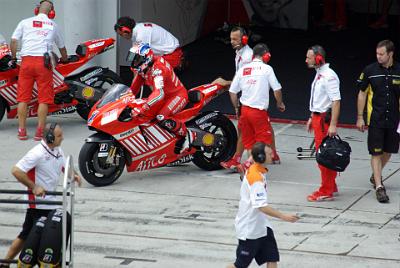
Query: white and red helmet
x=5, y=56
x=141, y=57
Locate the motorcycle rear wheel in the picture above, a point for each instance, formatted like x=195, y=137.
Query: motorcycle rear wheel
x=211, y=160
x=104, y=82
x=95, y=172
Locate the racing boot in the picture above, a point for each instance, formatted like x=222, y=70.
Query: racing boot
x=185, y=142
x=232, y=163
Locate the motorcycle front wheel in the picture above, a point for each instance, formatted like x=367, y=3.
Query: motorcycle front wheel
x=220, y=125
x=3, y=107
x=104, y=81
x=95, y=170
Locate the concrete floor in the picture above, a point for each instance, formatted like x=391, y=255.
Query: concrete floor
x=184, y=217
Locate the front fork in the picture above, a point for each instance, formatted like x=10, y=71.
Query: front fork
x=110, y=153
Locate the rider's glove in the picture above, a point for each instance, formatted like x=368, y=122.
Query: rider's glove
x=140, y=111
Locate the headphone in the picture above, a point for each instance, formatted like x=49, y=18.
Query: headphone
x=245, y=38
x=260, y=157
x=266, y=57
x=123, y=29
x=319, y=58
x=49, y=138
x=52, y=12
x=258, y=153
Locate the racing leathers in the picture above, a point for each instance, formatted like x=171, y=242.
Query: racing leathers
x=168, y=97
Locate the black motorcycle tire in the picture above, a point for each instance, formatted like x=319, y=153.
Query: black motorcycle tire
x=87, y=166
x=108, y=77
x=220, y=125
x=3, y=108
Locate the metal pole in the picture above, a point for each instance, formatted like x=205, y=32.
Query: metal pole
x=66, y=185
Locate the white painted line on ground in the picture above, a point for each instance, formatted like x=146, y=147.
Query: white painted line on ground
x=279, y=131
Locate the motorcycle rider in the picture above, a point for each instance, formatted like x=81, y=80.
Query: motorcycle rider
x=162, y=42
x=37, y=35
x=168, y=97
x=6, y=61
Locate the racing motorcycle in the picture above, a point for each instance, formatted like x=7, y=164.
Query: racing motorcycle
x=141, y=144
x=72, y=92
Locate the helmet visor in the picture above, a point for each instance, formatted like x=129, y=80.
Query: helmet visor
x=135, y=59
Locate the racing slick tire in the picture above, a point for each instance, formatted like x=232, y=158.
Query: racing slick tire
x=94, y=170
x=211, y=160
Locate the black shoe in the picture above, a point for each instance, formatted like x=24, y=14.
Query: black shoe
x=372, y=181
x=381, y=195
x=179, y=145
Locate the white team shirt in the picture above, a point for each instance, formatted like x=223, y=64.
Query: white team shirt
x=160, y=40
x=38, y=34
x=44, y=166
x=254, y=80
x=324, y=89
x=243, y=57
x=250, y=222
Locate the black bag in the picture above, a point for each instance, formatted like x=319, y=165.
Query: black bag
x=333, y=153
x=29, y=253
x=49, y=253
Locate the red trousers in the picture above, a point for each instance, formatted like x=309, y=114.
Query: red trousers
x=255, y=126
x=174, y=58
x=33, y=70
x=328, y=176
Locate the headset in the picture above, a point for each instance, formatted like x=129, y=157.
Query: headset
x=123, y=29
x=52, y=13
x=260, y=157
x=244, y=37
x=258, y=153
x=49, y=138
x=266, y=57
x=319, y=58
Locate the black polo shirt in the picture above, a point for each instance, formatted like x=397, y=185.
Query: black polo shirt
x=383, y=89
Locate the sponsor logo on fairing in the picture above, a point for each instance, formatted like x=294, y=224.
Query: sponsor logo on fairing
x=66, y=110
x=151, y=162
x=99, y=44
x=3, y=82
x=109, y=117
x=127, y=133
x=91, y=81
x=92, y=116
x=210, y=89
x=205, y=125
x=91, y=74
x=182, y=160
x=205, y=118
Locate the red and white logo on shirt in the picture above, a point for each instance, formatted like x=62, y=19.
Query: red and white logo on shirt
x=247, y=71
x=37, y=24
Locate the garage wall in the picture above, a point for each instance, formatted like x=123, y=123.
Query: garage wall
x=180, y=17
